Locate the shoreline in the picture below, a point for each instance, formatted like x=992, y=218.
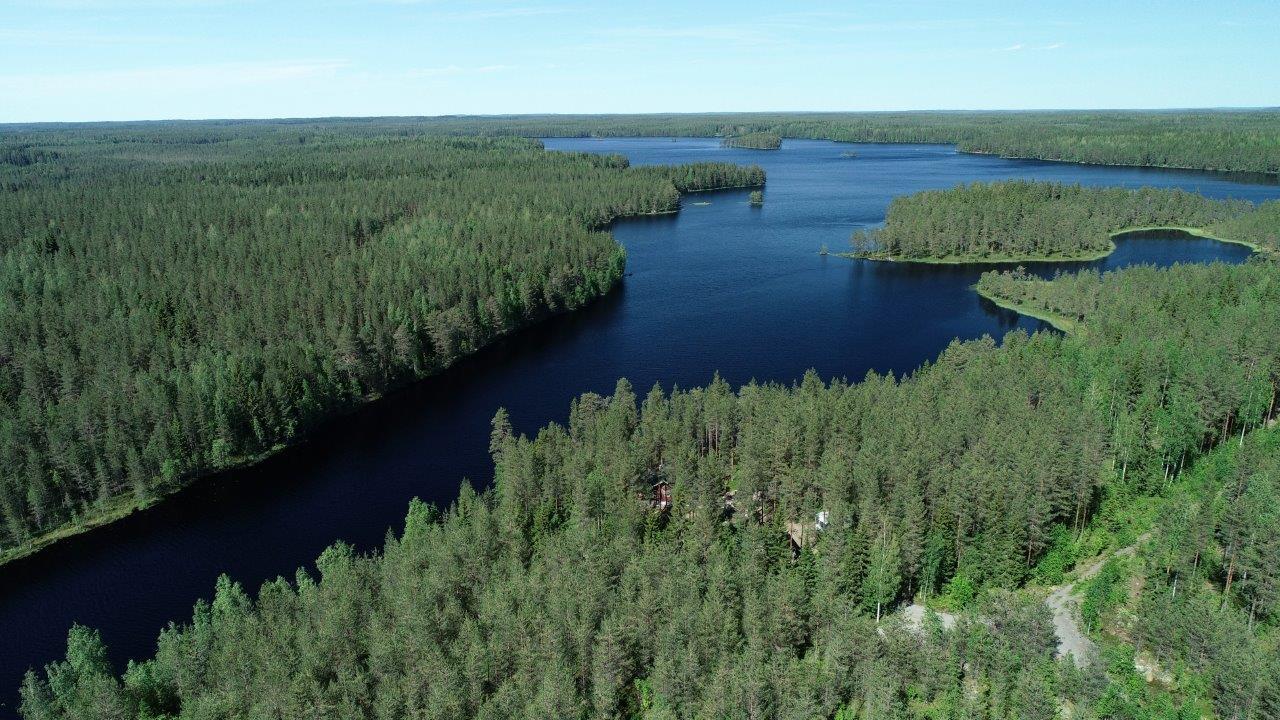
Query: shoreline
x=1265, y=173
x=1060, y=322
x=951, y=143
x=1083, y=257
x=981, y=260
x=120, y=508
x=1197, y=232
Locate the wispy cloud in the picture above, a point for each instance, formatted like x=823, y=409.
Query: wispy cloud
x=719, y=33
x=502, y=13
x=847, y=22
x=925, y=25
x=453, y=70
x=1019, y=47
x=175, y=77
x=783, y=28
x=125, y=5
x=706, y=39
x=19, y=37
x=475, y=10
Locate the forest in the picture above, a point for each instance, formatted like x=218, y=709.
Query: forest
x=754, y=141
x=177, y=298
x=174, y=300
x=719, y=553
x=1229, y=140
x=1026, y=220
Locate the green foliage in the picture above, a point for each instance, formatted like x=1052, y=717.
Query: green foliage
x=82, y=686
x=177, y=298
x=1244, y=140
x=559, y=593
x=883, y=578
x=1260, y=227
x=754, y=141
x=1240, y=140
x=1020, y=219
x=1102, y=593
x=1058, y=559
x=1128, y=696
x=959, y=593
x=449, y=621
x=1209, y=600
x=756, y=198
x=1229, y=372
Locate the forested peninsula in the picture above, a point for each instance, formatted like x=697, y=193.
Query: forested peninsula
x=722, y=553
x=176, y=299
x=754, y=141
x=1021, y=220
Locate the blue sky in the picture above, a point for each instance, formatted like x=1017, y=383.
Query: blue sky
x=150, y=59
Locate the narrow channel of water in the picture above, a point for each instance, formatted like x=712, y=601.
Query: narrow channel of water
x=721, y=286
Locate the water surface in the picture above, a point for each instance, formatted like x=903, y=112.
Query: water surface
x=718, y=287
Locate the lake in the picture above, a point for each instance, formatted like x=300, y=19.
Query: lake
x=719, y=287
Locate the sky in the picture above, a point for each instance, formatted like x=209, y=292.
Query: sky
x=76, y=60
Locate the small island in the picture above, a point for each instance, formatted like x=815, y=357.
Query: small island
x=754, y=141
x=1023, y=221
x=755, y=199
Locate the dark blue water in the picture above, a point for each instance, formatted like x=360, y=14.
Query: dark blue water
x=718, y=287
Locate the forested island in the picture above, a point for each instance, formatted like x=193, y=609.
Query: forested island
x=754, y=141
x=1022, y=220
x=722, y=553
x=178, y=299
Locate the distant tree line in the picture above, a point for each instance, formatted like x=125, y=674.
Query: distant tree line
x=1021, y=219
x=1234, y=140
x=754, y=141
x=563, y=592
x=173, y=301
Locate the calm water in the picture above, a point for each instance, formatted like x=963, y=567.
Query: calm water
x=718, y=287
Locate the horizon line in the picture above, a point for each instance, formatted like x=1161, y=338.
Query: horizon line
x=530, y=115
